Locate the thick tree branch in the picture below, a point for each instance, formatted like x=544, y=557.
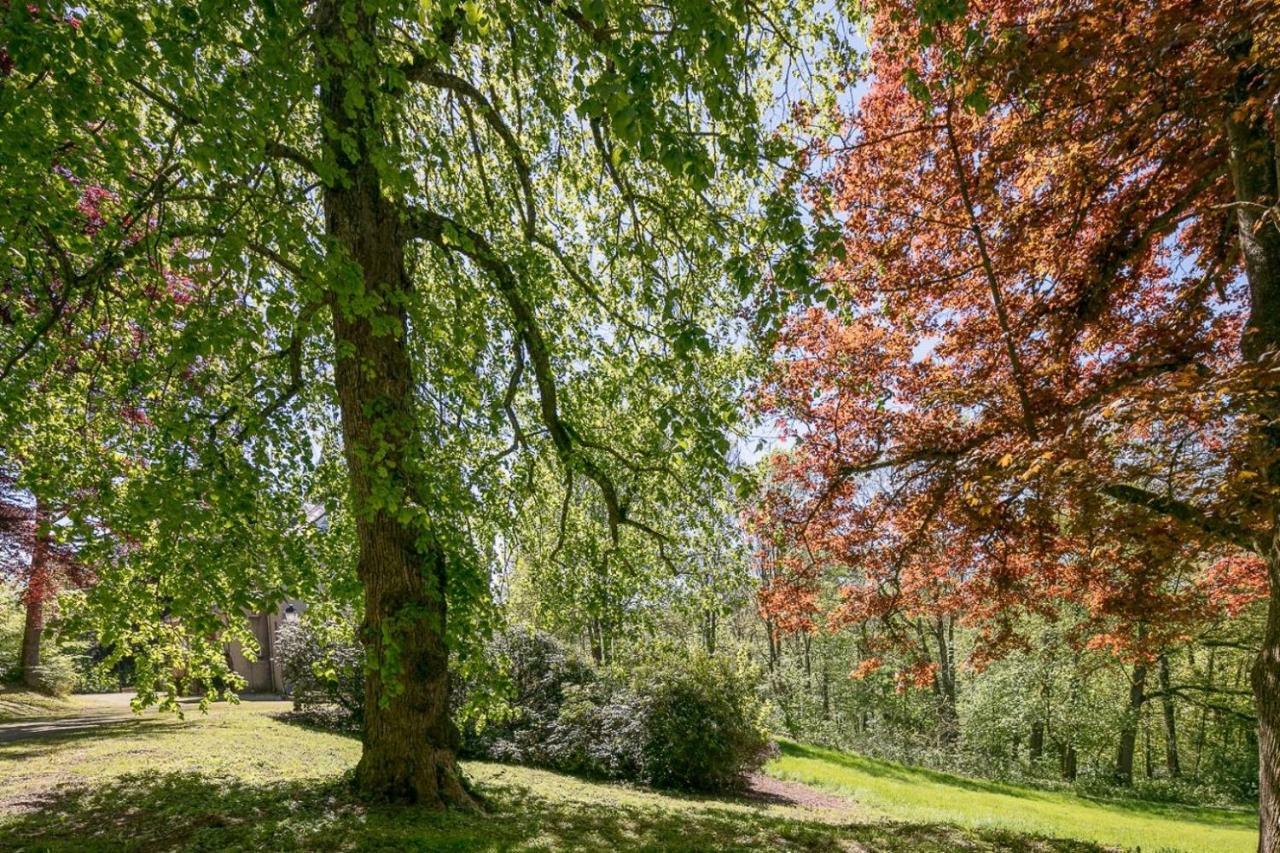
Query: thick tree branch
x=422, y=70
x=287, y=152
x=455, y=237
x=600, y=35
x=1187, y=513
x=997, y=297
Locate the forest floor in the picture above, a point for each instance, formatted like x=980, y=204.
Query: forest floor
x=241, y=778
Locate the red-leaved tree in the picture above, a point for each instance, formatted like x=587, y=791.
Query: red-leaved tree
x=1049, y=374
x=36, y=563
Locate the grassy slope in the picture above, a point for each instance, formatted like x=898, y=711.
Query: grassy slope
x=913, y=794
x=18, y=703
x=237, y=779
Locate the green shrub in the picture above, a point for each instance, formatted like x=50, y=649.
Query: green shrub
x=57, y=673
x=96, y=672
x=700, y=723
x=685, y=721
x=539, y=675
x=323, y=668
x=12, y=620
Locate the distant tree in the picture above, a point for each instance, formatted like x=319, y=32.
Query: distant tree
x=36, y=562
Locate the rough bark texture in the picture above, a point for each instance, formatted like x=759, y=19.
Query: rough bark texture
x=409, y=741
x=1266, y=691
x=1255, y=176
x=1129, y=734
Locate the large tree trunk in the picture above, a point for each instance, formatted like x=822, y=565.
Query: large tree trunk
x=409, y=741
x=1129, y=732
x=1255, y=175
x=1171, y=760
x=1266, y=691
x=38, y=591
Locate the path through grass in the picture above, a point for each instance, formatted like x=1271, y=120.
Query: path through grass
x=916, y=795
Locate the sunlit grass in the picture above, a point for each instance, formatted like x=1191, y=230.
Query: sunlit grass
x=238, y=779
x=916, y=795
x=18, y=703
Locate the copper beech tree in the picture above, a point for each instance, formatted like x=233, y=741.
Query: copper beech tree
x=34, y=561
x=1046, y=372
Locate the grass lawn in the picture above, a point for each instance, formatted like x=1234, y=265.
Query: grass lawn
x=239, y=779
x=17, y=703
x=915, y=795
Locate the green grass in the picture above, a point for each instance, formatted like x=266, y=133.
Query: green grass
x=238, y=779
x=923, y=796
x=19, y=703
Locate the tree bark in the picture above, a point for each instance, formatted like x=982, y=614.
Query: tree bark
x=1266, y=691
x=409, y=740
x=1171, y=759
x=32, y=630
x=39, y=588
x=945, y=681
x=1251, y=130
x=1129, y=731
x=1069, y=762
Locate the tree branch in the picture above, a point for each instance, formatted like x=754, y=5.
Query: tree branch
x=452, y=236
x=1187, y=513
x=422, y=70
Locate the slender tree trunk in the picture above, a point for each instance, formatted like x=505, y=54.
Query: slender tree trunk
x=945, y=681
x=409, y=740
x=35, y=598
x=1204, y=715
x=775, y=645
x=1129, y=732
x=806, y=644
x=1171, y=760
x=1148, y=754
x=826, y=686
x=1035, y=745
x=595, y=634
x=1070, y=763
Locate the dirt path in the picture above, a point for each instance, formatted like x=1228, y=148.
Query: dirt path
x=778, y=791
x=89, y=712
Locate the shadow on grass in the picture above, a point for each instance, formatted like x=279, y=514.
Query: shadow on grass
x=1225, y=818
x=186, y=811
x=32, y=738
